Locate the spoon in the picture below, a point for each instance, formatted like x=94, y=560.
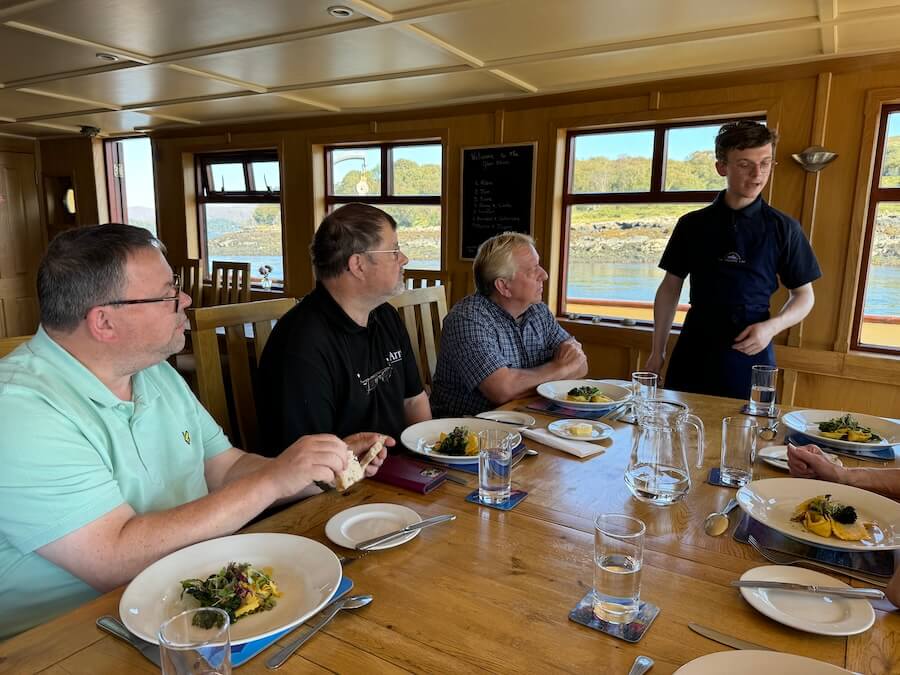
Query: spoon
x=350, y=602
x=641, y=665
x=717, y=522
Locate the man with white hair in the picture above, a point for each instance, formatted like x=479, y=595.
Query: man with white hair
x=502, y=341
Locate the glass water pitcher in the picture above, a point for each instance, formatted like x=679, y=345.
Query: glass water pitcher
x=659, y=471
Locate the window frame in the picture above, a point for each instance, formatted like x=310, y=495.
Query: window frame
x=203, y=163
x=876, y=196
x=116, y=195
x=656, y=194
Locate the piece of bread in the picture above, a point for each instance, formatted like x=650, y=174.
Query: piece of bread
x=356, y=468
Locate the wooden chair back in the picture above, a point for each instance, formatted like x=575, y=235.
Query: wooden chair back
x=8, y=344
x=191, y=273
x=423, y=311
x=423, y=278
x=230, y=282
x=247, y=327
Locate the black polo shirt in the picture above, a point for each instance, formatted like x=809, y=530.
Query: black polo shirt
x=321, y=372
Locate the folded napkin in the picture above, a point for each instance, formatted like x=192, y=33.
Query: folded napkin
x=578, y=448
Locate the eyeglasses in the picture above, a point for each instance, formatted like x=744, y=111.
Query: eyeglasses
x=176, y=284
x=746, y=165
x=396, y=251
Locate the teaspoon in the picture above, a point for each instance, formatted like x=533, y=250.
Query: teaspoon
x=717, y=522
x=641, y=665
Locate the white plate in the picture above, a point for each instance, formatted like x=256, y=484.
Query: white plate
x=753, y=662
x=772, y=502
x=776, y=455
x=807, y=423
x=352, y=526
x=561, y=428
x=307, y=574
x=556, y=391
x=421, y=437
x=509, y=416
x=820, y=614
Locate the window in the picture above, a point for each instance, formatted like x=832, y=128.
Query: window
x=129, y=182
x=403, y=179
x=624, y=191
x=239, y=198
x=876, y=325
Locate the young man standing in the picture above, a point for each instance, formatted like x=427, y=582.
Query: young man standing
x=735, y=250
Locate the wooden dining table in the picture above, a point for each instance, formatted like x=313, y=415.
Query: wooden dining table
x=492, y=590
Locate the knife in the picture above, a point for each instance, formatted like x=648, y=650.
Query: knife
x=725, y=639
x=841, y=592
x=112, y=625
x=428, y=522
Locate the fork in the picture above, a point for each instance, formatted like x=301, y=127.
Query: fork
x=780, y=558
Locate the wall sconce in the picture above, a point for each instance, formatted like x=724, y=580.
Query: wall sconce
x=68, y=201
x=814, y=158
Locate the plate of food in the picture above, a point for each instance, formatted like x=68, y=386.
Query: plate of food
x=776, y=455
x=453, y=440
x=824, y=514
x=266, y=582
x=847, y=431
x=813, y=613
x=596, y=395
x=754, y=662
x=580, y=430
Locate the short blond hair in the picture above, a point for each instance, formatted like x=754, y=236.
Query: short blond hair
x=494, y=259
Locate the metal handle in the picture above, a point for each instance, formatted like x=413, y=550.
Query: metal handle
x=112, y=625
x=284, y=654
x=732, y=504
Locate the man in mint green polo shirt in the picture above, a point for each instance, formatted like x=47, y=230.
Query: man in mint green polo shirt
x=109, y=461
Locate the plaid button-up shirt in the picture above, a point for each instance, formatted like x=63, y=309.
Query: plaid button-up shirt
x=480, y=337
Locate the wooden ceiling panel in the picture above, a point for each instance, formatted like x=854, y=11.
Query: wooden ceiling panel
x=519, y=27
x=871, y=35
x=655, y=63
x=357, y=54
x=17, y=104
x=241, y=107
x=156, y=27
x=413, y=92
x=24, y=55
x=31, y=130
x=113, y=123
x=144, y=84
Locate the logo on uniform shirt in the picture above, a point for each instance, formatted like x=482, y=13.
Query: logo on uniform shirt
x=186, y=435
x=733, y=257
x=371, y=382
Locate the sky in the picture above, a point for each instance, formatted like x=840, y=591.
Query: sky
x=420, y=154
x=680, y=142
x=138, y=173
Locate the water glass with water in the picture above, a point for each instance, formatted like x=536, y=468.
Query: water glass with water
x=643, y=385
x=618, y=558
x=186, y=648
x=739, y=436
x=494, y=459
x=762, y=390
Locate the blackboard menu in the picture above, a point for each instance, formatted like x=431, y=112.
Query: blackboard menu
x=497, y=193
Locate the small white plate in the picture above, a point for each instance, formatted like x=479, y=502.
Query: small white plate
x=352, y=526
x=776, y=455
x=754, y=662
x=561, y=428
x=520, y=420
x=820, y=614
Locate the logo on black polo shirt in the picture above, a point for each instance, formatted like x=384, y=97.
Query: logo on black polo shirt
x=734, y=258
x=371, y=382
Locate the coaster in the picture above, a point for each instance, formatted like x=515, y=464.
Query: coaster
x=630, y=632
x=240, y=654
x=715, y=478
x=745, y=410
x=515, y=496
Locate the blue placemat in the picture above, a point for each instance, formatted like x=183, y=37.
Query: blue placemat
x=472, y=467
x=240, y=654
x=879, y=454
x=515, y=496
x=550, y=408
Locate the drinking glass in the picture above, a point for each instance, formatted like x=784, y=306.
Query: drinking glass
x=643, y=385
x=494, y=455
x=762, y=390
x=618, y=558
x=188, y=649
x=738, y=450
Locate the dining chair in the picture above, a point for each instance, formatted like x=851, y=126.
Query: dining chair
x=230, y=282
x=8, y=344
x=423, y=278
x=191, y=274
x=423, y=311
x=247, y=327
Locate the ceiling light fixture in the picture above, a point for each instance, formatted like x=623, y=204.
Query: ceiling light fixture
x=106, y=56
x=340, y=12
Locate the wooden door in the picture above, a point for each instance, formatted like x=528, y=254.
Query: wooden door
x=21, y=244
